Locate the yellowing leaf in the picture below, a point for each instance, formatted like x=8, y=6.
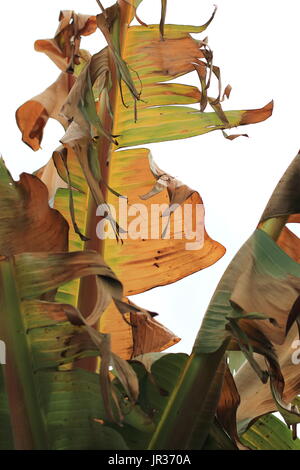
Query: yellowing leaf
x=152, y=260
x=135, y=333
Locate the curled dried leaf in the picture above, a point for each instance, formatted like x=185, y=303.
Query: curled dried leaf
x=64, y=48
x=33, y=115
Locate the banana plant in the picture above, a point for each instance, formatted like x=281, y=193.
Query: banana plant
x=123, y=97
x=67, y=288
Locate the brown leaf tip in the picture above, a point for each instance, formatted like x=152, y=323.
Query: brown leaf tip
x=253, y=116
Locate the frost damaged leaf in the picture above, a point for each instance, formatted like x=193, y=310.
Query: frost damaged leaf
x=38, y=273
x=156, y=62
x=157, y=260
x=63, y=49
x=27, y=222
x=57, y=333
x=53, y=339
x=77, y=140
x=285, y=201
x=256, y=398
x=80, y=105
x=227, y=408
x=109, y=23
x=286, y=198
x=42, y=272
x=79, y=144
x=141, y=58
x=269, y=284
x=33, y=115
x=134, y=330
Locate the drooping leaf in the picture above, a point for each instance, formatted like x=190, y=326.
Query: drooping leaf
x=227, y=408
x=52, y=339
x=256, y=398
x=63, y=49
x=27, y=223
x=33, y=115
x=263, y=280
x=80, y=106
x=134, y=331
x=109, y=24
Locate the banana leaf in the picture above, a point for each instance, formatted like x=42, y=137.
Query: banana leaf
x=123, y=98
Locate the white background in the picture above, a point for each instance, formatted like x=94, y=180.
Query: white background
x=256, y=44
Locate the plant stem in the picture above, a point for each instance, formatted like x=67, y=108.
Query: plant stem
x=186, y=403
x=87, y=292
x=27, y=420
